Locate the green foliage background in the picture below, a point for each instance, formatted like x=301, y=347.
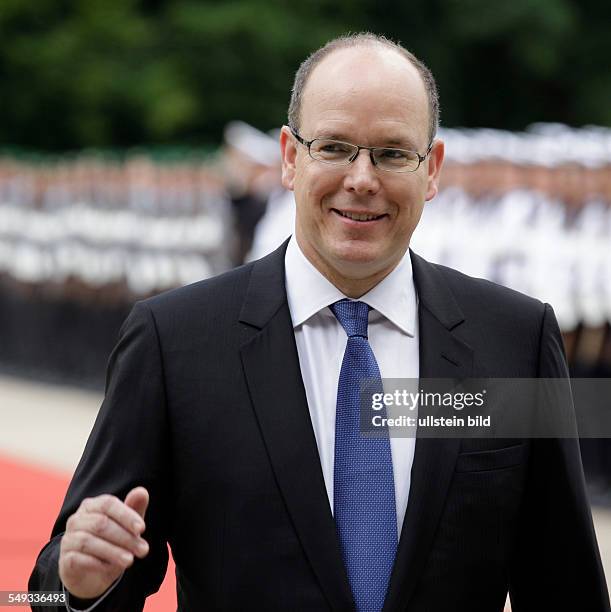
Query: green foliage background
x=117, y=73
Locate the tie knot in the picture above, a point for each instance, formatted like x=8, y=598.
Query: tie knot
x=353, y=317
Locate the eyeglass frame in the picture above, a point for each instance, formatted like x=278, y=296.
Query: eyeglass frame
x=308, y=144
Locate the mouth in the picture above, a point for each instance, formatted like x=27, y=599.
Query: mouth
x=358, y=217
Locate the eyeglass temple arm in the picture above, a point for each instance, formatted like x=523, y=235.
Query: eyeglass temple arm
x=304, y=142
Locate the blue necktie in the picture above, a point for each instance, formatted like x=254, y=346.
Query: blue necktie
x=363, y=485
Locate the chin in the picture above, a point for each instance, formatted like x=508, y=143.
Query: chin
x=359, y=262
x=359, y=251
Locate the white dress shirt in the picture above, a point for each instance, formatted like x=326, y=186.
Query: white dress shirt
x=321, y=342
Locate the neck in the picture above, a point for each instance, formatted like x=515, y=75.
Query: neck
x=355, y=287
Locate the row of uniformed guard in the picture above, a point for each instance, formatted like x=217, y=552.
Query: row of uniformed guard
x=529, y=210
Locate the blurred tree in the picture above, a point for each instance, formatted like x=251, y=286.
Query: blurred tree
x=81, y=73
x=69, y=70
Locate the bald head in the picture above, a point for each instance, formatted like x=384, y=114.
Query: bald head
x=368, y=86
x=363, y=40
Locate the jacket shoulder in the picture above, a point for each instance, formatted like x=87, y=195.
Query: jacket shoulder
x=217, y=292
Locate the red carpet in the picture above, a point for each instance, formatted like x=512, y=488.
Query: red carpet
x=31, y=499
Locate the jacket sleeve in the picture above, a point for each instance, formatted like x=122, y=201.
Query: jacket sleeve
x=556, y=564
x=128, y=446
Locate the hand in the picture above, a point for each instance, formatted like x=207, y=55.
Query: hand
x=102, y=537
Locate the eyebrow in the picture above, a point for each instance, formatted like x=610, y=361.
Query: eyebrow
x=390, y=142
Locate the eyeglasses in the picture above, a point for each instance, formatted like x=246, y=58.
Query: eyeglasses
x=338, y=153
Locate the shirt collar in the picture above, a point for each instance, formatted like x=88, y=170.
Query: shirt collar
x=309, y=292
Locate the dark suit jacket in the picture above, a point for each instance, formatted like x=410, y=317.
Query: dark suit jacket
x=205, y=406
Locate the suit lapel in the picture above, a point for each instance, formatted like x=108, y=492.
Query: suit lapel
x=442, y=355
x=273, y=375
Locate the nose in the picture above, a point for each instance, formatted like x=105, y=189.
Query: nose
x=361, y=175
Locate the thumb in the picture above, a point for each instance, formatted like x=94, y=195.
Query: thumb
x=138, y=500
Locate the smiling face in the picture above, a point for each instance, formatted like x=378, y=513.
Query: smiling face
x=370, y=96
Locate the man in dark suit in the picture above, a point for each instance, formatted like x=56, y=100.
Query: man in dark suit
x=226, y=403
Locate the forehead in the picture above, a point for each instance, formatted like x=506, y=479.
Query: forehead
x=366, y=94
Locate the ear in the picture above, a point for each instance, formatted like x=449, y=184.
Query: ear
x=435, y=161
x=288, y=149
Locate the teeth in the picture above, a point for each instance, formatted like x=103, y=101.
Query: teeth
x=357, y=217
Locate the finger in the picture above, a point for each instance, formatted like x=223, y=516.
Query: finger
x=118, y=511
x=102, y=526
x=138, y=500
x=88, y=544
